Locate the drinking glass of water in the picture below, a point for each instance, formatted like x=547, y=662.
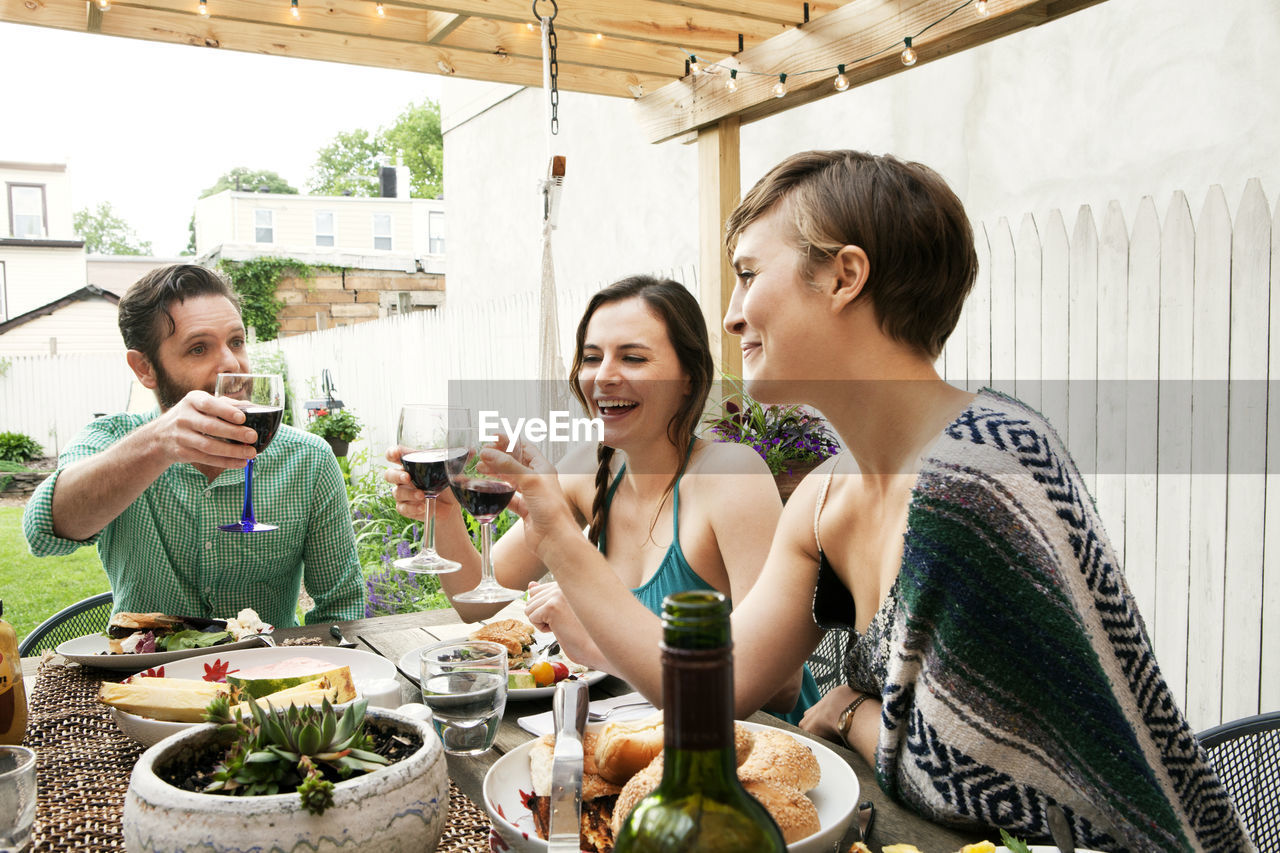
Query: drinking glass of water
x=464, y=683
x=18, y=796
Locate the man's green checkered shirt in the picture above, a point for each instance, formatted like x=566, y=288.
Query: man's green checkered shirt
x=165, y=552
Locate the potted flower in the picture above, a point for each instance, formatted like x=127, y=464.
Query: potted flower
x=339, y=427
x=791, y=440
x=291, y=780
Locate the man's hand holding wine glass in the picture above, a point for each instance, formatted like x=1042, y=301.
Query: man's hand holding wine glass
x=204, y=430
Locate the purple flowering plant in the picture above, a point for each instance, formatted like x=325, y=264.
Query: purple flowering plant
x=782, y=435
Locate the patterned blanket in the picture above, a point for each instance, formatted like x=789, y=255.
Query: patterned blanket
x=1021, y=672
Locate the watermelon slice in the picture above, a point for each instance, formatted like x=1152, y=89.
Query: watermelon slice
x=273, y=677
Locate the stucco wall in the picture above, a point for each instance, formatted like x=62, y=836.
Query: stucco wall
x=1124, y=99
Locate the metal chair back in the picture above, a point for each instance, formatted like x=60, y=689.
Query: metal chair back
x=84, y=617
x=1246, y=754
x=827, y=661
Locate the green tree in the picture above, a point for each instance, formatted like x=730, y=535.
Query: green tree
x=349, y=164
x=104, y=233
x=251, y=180
x=416, y=138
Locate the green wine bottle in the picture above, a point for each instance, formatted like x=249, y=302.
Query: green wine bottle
x=700, y=805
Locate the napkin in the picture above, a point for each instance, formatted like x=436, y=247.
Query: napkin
x=636, y=707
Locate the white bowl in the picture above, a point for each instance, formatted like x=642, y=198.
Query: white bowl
x=836, y=797
x=373, y=676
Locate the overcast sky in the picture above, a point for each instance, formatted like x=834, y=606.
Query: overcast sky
x=147, y=126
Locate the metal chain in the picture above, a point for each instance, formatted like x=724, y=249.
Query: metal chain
x=553, y=65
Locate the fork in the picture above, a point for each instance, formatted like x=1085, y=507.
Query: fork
x=600, y=716
x=265, y=639
x=343, y=642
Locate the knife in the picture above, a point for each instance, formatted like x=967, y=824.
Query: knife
x=569, y=710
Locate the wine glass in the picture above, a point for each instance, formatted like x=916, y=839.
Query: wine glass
x=423, y=438
x=484, y=496
x=261, y=397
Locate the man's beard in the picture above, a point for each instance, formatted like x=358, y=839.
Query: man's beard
x=168, y=392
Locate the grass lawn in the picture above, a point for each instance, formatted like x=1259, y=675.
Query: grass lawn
x=35, y=589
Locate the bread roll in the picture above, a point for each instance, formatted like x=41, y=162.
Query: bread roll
x=795, y=814
x=626, y=747
x=542, y=756
x=637, y=788
x=778, y=757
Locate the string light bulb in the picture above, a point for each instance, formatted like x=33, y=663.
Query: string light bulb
x=780, y=88
x=980, y=6
x=908, y=54
x=529, y=26
x=732, y=83
x=380, y=9
x=695, y=67
x=104, y=5
x=842, y=82
x=599, y=36
x=203, y=8
x=293, y=8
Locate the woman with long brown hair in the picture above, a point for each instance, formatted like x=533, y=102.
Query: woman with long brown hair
x=669, y=511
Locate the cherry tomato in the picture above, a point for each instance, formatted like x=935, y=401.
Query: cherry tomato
x=561, y=671
x=543, y=673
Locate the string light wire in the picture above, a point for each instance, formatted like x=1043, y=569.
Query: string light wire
x=697, y=67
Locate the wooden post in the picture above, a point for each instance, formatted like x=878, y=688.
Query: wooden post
x=719, y=188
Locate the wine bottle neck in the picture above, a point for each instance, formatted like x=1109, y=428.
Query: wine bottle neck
x=697, y=698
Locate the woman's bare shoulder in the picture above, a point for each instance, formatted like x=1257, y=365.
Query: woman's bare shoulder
x=725, y=457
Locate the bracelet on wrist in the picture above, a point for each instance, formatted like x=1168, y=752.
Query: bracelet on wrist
x=845, y=721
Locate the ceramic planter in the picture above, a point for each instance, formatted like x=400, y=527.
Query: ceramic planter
x=339, y=446
x=402, y=807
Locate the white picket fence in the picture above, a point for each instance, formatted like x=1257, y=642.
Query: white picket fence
x=1148, y=346
x=52, y=397
x=1167, y=334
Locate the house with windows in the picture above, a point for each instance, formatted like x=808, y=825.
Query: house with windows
x=41, y=259
x=378, y=256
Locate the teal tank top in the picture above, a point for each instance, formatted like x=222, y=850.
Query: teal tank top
x=674, y=574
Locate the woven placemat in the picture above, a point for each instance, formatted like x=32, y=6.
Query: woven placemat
x=84, y=761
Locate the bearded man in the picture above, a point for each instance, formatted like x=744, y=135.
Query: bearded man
x=151, y=490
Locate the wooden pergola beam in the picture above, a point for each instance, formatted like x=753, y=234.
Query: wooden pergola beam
x=856, y=30
x=282, y=36
x=719, y=187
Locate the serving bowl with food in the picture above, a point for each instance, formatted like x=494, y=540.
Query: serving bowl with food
x=161, y=701
x=136, y=641
x=810, y=791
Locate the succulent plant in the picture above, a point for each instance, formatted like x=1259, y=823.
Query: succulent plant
x=283, y=749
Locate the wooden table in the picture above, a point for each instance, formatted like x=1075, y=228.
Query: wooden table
x=392, y=636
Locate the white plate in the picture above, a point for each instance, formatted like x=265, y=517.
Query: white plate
x=1044, y=848
x=835, y=798
x=409, y=662
x=93, y=650
x=367, y=672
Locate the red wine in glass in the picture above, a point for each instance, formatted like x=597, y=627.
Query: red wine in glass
x=484, y=496
x=422, y=437
x=426, y=469
x=264, y=420
x=484, y=499
x=260, y=396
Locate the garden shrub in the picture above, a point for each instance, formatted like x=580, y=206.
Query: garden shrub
x=16, y=447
